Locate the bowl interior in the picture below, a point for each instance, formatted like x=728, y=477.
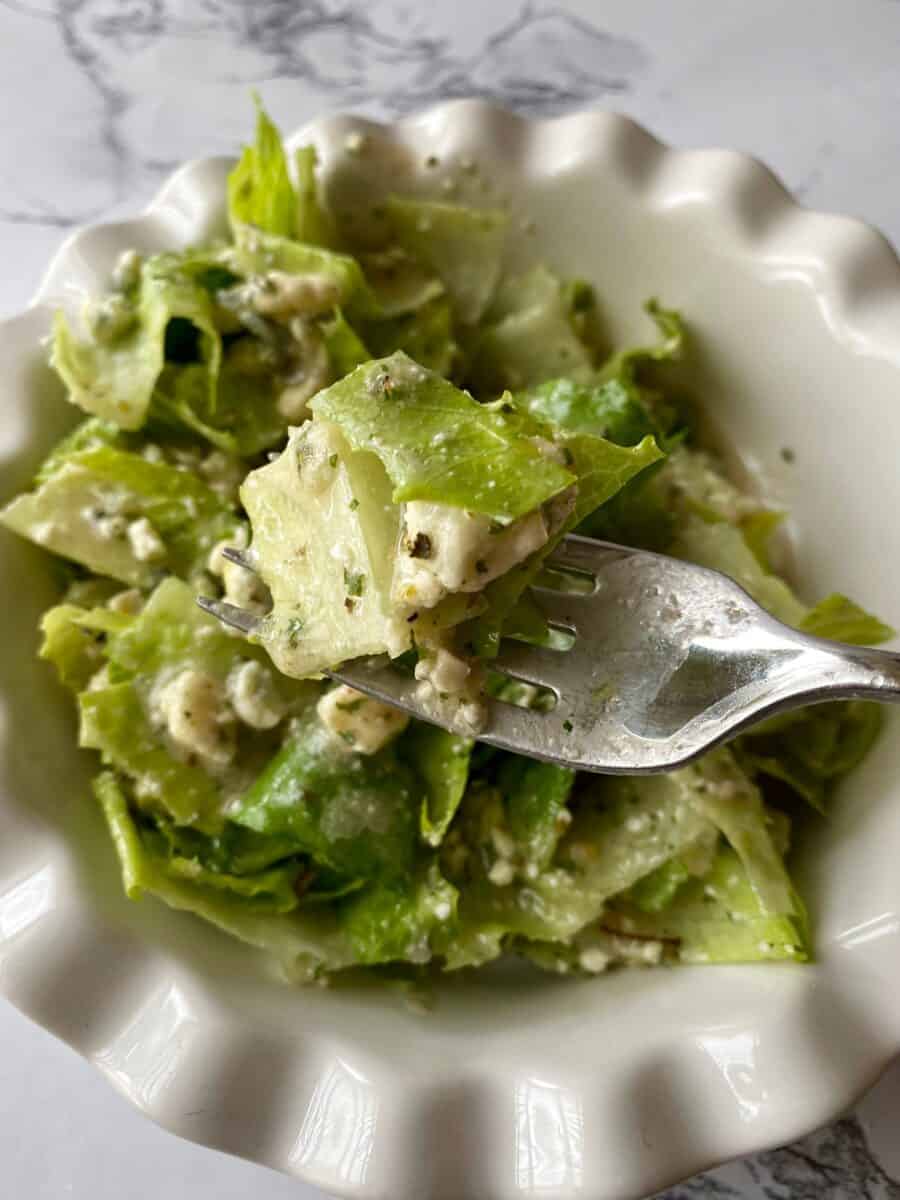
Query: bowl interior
x=789, y=352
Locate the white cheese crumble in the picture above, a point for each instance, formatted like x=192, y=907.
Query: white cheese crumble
x=361, y=723
x=251, y=690
x=279, y=294
x=502, y=873
x=242, y=587
x=593, y=960
x=146, y=544
x=197, y=717
x=445, y=672
x=446, y=549
x=130, y=602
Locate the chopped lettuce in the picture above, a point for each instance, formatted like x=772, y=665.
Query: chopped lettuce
x=437, y=443
x=354, y=814
x=324, y=536
x=529, y=337
x=94, y=507
x=114, y=378
x=462, y=246
x=304, y=943
x=441, y=760
x=260, y=192
x=387, y=924
x=840, y=619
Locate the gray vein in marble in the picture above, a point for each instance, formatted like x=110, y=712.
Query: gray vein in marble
x=542, y=60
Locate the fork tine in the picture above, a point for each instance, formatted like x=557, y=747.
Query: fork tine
x=377, y=677
x=531, y=664
x=565, y=610
x=577, y=553
x=239, y=557
x=229, y=614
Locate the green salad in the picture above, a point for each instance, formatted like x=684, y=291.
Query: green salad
x=397, y=431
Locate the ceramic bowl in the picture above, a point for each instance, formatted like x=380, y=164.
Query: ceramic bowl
x=515, y=1085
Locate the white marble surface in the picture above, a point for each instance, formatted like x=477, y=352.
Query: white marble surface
x=102, y=97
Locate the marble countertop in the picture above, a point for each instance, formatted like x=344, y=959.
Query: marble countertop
x=102, y=98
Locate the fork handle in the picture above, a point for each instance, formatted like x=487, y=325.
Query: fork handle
x=834, y=671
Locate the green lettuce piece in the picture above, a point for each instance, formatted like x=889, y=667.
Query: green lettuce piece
x=840, y=619
x=271, y=890
x=462, y=246
x=245, y=420
x=88, y=435
x=529, y=337
x=346, y=350
x=356, y=814
x=437, y=443
x=115, y=380
x=657, y=890
x=304, y=943
x=172, y=631
x=627, y=364
x=717, y=919
x=535, y=795
x=74, y=640
x=637, y=825
x=724, y=793
x=402, y=285
x=758, y=528
x=441, y=760
x=231, y=850
x=426, y=335
x=812, y=749
x=67, y=512
x=171, y=634
x=114, y=721
x=256, y=253
x=389, y=924
x=260, y=192
x=313, y=224
x=317, y=495
x=604, y=409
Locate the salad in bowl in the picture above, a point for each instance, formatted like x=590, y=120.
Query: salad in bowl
x=395, y=428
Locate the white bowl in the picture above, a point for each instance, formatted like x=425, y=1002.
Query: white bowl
x=514, y=1085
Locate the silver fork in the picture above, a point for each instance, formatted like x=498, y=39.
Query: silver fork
x=668, y=660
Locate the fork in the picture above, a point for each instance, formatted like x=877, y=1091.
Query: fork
x=664, y=660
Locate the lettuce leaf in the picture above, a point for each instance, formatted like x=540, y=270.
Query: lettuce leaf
x=256, y=252
x=724, y=793
x=115, y=380
x=441, y=760
x=812, y=749
x=313, y=224
x=389, y=924
x=529, y=336
x=303, y=943
x=603, y=409
x=260, y=192
x=437, y=443
x=426, y=335
x=718, y=918
x=535, y=794
x=462, y=246
x=67, y=513
x=838, y=618
x=74, y=640
x=355, y=814
x=245, y=421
